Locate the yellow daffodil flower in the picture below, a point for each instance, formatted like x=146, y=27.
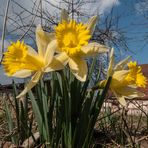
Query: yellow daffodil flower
x=72, y=41
x=21, y=60
x=126, y=77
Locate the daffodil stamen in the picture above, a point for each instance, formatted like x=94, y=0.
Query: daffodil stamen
x=17, y=58
x=71, y=36
x=132, y=76
x=22, y=61
x=73, y=45
x=126, y=77
x=135, y=75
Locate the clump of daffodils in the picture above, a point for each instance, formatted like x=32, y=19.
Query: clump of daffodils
x=126, y=78
x=72, y=40
x=22, y=61
x=68, y=45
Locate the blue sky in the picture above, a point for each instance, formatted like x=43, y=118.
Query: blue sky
x=134, y=21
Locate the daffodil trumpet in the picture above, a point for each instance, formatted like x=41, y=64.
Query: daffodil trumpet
x=72, y=39
x=21, y=60
x=126, y=78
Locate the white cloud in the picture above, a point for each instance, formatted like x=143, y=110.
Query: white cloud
x=12, y=11
x=92, y=7
x=99, y=6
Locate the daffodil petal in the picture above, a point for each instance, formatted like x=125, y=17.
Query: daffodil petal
x=120, y=75
x=54, y=65
x=52, y=46
x=73, y=64
x=42, y=39
x=27, y=88
x=136, y=95
x=130, y=92
x=58, y=62
x=93, y=49
x=118, y=78
x=79, y=68
x=31, y=50
x=35, y=78
x=62, y=57
x=22, y=73
x=120, y=98
x=64, y=15
x=121, y=65
x=91, y=24
x=111, y=63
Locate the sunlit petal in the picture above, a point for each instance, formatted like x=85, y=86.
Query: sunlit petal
x=23, y=73
x=122, y=64
x=58, y=62
x=42, y=40
x=36, y=77
x=78, y=68
x=118, y=79
x=52, y=46
x=120, y=75
x=54, y=65
x=120, y=98
x=31, y=50
x=93, y=49
x=111, y=63
x=73, y=64
x=91, y=24
x=64, y=15
x=136, y=95
x=62, y=58
x=130, y=92
x=27, y=88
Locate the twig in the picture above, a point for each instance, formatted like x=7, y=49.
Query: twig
x=138, y=140
x=33, y=19
x=4, y=28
